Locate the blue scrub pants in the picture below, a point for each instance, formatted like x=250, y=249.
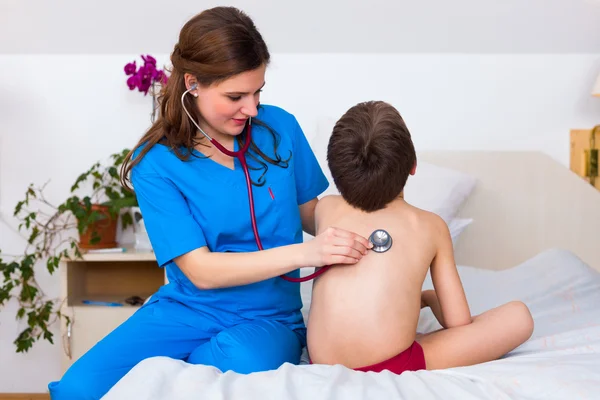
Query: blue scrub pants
x=164, y=327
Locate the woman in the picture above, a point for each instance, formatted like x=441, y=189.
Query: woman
x=226, y=304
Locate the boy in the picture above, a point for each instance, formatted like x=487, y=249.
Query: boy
x=364, y=316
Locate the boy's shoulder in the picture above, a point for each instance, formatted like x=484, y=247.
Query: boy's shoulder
x=328, y=203
x=433, y=225
x=330, y=200
x=428, y=216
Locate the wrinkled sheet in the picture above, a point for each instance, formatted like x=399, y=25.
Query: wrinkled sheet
x=560, y=361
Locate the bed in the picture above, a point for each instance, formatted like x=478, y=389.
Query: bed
x=532, y=238
x=523, y=203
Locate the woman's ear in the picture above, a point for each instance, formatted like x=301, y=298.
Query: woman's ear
x=191, y=84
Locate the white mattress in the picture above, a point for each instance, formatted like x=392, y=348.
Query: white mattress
x=560, y=361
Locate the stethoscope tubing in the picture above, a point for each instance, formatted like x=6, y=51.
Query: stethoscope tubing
x=241, y=156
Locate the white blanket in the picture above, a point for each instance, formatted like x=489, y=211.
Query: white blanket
x=560, y=361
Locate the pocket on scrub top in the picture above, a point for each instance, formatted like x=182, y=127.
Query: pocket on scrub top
x=284, y=208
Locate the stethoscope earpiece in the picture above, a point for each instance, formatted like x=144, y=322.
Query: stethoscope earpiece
x=194, y=87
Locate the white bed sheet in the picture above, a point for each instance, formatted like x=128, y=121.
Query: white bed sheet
x=560, y=361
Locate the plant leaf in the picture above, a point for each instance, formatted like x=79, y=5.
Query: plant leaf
x=28, y=293
x=34, y=234
x=24, y=341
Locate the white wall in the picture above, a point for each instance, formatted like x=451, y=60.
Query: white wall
x=320, y=26
x=59, y=114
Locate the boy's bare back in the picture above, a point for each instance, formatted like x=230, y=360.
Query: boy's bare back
x=366, y=313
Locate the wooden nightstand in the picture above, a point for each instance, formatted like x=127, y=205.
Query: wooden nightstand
x=103, y=277
x=584, y=154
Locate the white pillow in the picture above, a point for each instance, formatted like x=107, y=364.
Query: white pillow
x=457, y=226
x=433, y=188
x=438, y=189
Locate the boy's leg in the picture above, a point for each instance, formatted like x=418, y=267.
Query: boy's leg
x=250, y=347
x=490, y=336
x=157, y=329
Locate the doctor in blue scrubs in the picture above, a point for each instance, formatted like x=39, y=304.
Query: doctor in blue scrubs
x=225, y=304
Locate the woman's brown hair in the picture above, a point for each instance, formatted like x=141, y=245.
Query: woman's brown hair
x=213, y=46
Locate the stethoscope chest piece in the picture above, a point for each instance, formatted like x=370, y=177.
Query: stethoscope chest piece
x=382, y=241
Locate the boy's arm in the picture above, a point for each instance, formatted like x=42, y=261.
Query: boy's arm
x=429, y=299
x=446, y=281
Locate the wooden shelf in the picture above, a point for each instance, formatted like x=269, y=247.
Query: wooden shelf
x=104, y=277
x=114, y=280
x=129, y=254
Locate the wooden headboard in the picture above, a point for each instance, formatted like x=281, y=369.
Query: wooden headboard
x=525, y=203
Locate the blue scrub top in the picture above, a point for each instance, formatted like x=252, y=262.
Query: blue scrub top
x=195, y=203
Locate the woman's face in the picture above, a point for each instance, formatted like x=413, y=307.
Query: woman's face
x=226, y=106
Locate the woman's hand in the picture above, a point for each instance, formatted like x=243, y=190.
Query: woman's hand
x=334, y=246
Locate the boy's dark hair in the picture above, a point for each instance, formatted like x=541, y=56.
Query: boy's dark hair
x=370, y=155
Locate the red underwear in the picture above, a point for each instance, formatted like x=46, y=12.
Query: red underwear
x=411, y=359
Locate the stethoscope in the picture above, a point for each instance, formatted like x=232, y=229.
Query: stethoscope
x=381, y=239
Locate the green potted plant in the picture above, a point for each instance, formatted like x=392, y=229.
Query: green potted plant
x=57, y=232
